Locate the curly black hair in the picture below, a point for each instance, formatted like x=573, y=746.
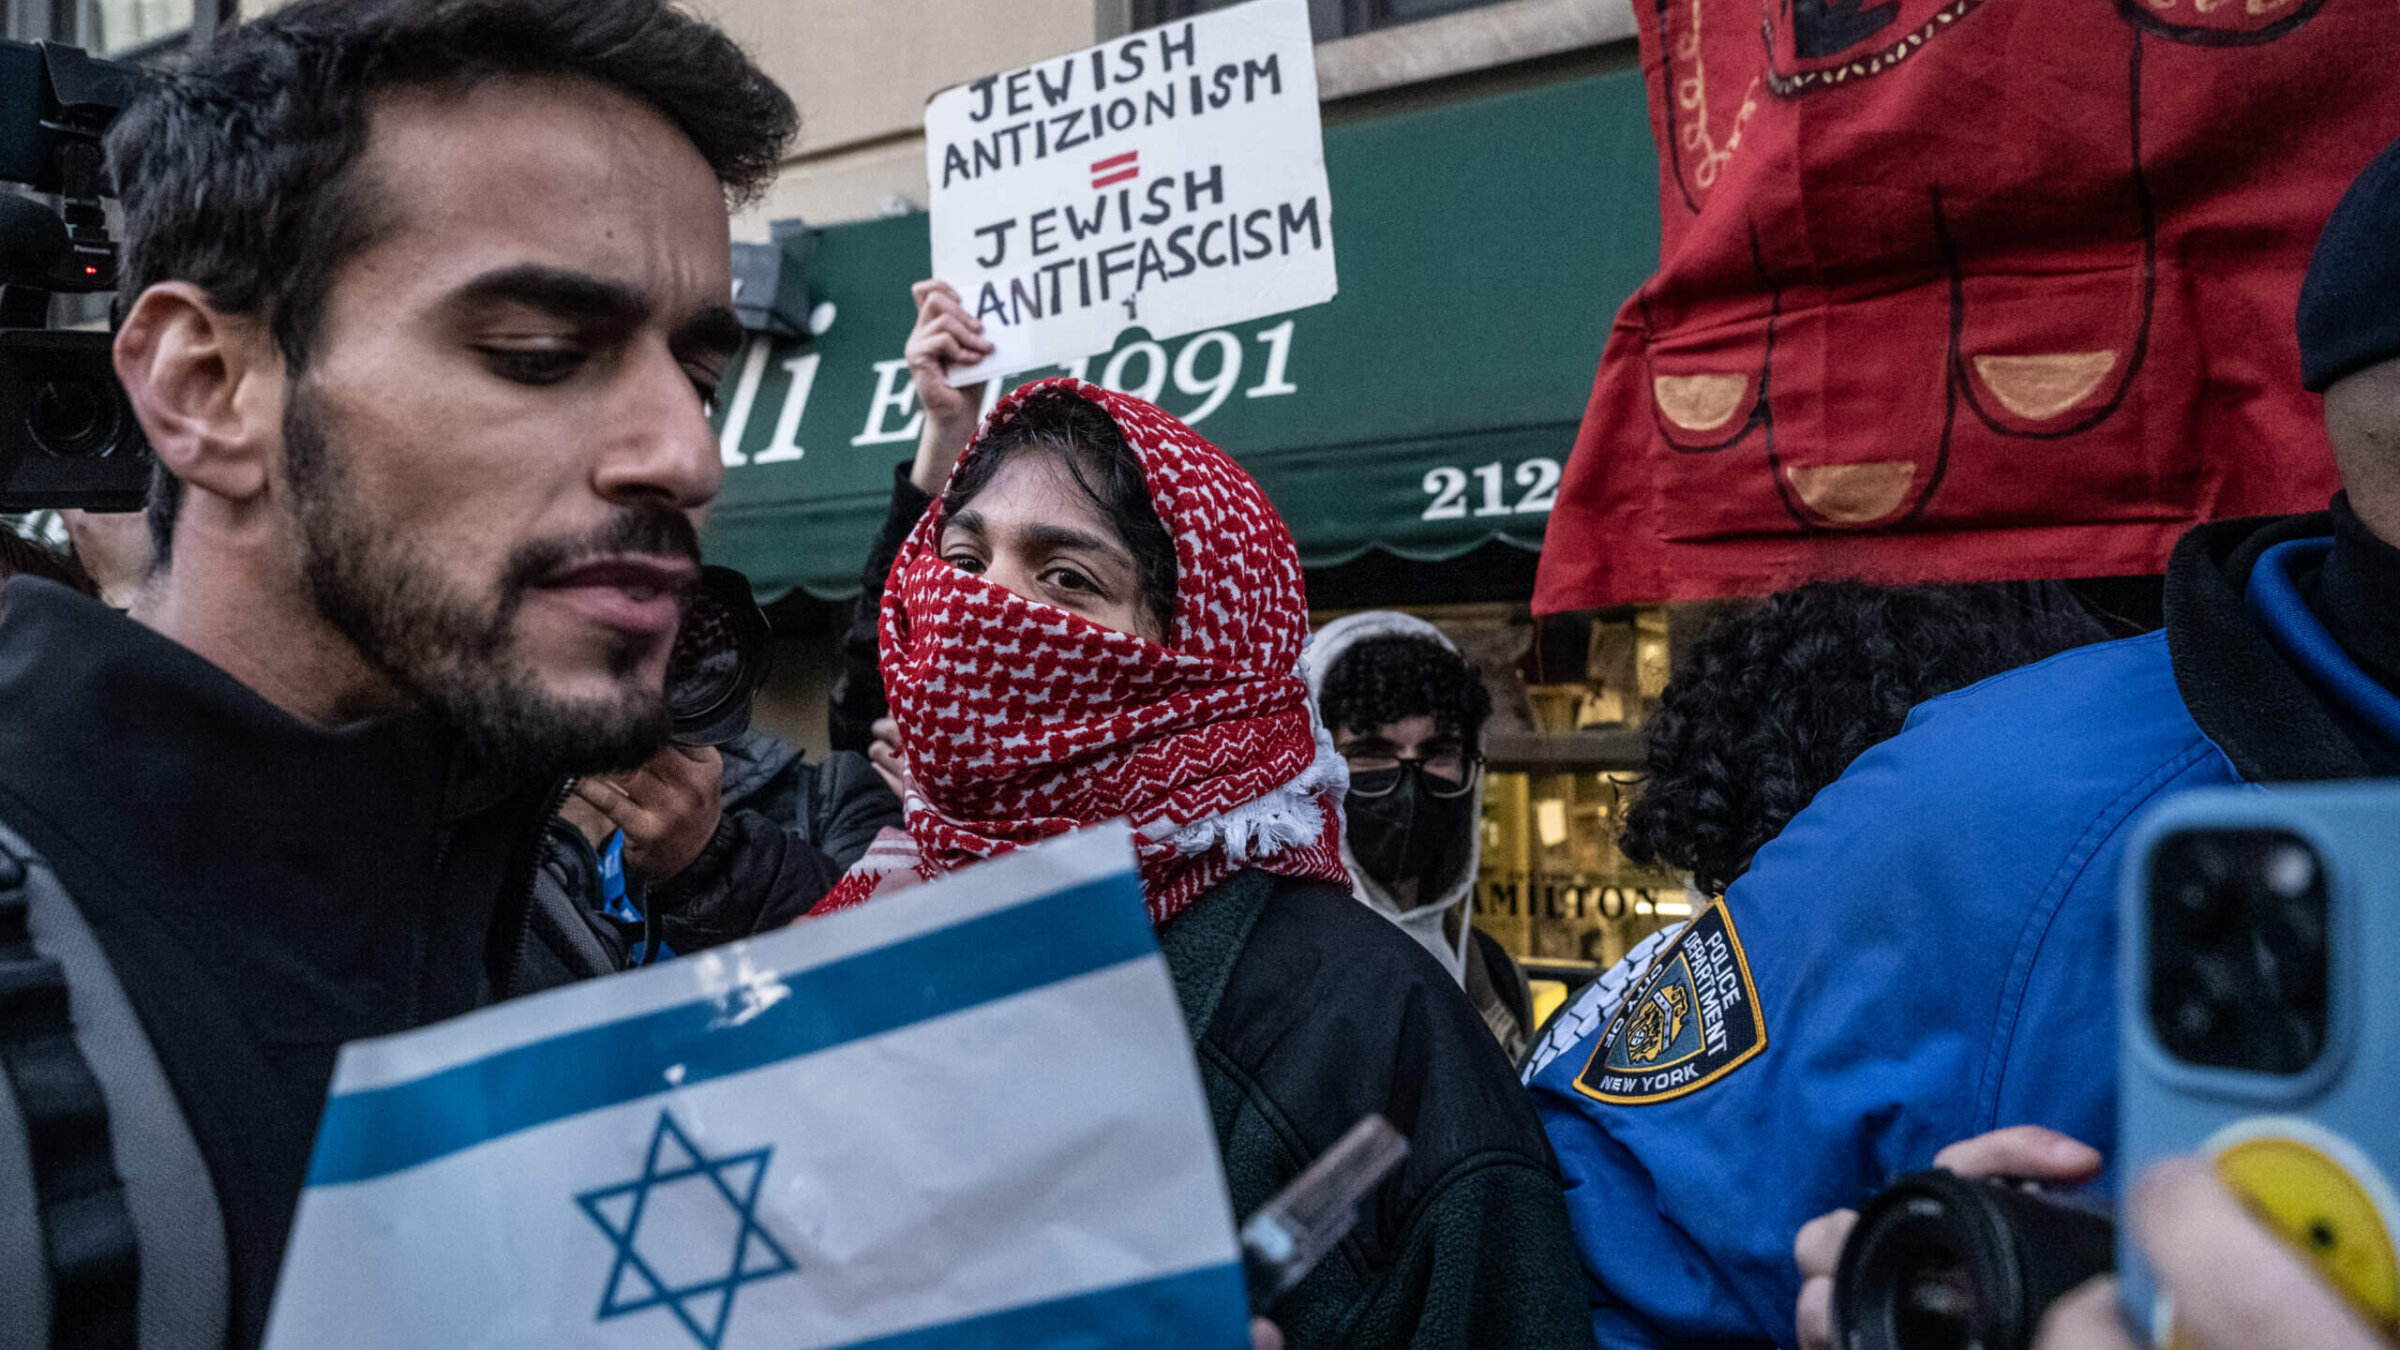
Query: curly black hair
x=1383, y=679
x=1776, y=698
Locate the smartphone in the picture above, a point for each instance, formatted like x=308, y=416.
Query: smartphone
x=2259, y=1023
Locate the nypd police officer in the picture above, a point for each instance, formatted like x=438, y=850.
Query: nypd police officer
x=1927, y=952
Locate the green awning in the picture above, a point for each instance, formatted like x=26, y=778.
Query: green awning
x=1427, y=411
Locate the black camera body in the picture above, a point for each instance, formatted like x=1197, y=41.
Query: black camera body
x=68, y=438
x=1944, y=1262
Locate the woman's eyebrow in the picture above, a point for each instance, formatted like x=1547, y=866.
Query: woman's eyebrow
x=1067, y=536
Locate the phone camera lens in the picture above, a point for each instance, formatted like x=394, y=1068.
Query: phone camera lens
x=2206, y=892
x=2196, y=1010
x=2239, y=957
x=2290, y=870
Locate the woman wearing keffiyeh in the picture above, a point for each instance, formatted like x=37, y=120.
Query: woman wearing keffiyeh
x=1102, y=617
x=1049, y=671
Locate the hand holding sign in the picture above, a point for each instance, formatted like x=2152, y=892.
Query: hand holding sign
x=1174, y=179
x=946, y=338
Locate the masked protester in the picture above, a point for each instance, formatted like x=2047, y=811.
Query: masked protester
x=1407, y=712
x=1102, y=617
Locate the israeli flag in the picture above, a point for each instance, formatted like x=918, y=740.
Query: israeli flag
x=963, y=1115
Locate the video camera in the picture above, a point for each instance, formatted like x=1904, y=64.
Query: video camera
x=68, y=437
x=2259, y=1026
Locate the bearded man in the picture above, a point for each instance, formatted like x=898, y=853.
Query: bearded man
x=425, y=302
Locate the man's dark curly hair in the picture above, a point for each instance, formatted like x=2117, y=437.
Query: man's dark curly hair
x=1775, y=699
x=1383, y=679
x=238, y=172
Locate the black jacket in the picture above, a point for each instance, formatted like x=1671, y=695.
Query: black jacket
x=264, y=890
x=788, y=831
x=858, y=691
x=1309, y=1011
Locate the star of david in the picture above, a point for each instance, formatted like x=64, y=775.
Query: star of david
x=691, y=1207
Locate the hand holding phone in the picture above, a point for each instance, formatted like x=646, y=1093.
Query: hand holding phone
x=1290, y=1233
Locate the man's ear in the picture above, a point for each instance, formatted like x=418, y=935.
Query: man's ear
x=206, y=387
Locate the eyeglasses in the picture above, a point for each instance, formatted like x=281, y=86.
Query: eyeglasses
x=1446, y=775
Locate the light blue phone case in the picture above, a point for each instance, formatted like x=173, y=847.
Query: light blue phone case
x=2328, y=1136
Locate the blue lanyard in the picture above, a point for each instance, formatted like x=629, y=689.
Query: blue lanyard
x=616, y=901
x=613, y=901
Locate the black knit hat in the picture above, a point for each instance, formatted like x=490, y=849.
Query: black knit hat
x=2350, y=300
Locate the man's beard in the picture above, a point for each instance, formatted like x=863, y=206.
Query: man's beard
x=454, y=657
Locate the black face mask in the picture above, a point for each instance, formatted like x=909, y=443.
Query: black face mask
x=1403, y=833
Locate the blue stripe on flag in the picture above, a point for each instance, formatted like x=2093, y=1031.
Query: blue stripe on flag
x=1073, y=932
x=1167, y=1311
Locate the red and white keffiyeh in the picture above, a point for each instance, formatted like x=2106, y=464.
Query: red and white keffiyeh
x=1022, y=721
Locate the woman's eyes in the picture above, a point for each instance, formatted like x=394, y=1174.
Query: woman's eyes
x=1068, y=579
x=1072, y=584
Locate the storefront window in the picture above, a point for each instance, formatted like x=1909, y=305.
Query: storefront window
x=1554, y=889
x=111, y=26
x=150, y=31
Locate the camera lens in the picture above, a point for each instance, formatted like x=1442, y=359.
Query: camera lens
x=2239, y=953
x=706, y=663
x=2206, y=891
x=1942, y=1262
x=1937, y=1307
x=74, y=417
x=721, y=655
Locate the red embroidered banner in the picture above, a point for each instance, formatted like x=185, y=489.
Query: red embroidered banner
x=1968, y=290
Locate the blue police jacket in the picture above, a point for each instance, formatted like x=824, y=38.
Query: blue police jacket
x=1924, y=954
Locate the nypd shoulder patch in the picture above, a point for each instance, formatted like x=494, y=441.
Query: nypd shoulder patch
x=1595, y=1006
x=1694, y=1019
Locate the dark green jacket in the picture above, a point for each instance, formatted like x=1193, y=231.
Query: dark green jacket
x=1309, y=1011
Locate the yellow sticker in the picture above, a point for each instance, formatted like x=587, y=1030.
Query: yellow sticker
x=2324, y=1197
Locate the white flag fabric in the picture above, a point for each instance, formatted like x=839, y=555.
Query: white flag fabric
x=966, y=1115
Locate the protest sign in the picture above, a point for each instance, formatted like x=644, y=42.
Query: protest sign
x=967, y=1115
x=1174, y=180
